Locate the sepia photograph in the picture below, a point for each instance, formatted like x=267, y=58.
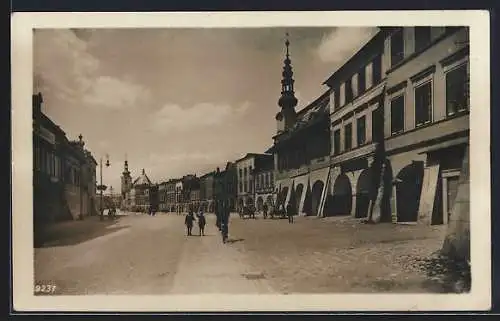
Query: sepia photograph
x=288, y=162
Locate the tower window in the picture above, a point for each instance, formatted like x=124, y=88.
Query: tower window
x=423, y=103
x=336, y=142
x=337, y=97
x=422, y=37
x=361, y=130
x=361, y=81
x=397, y=114
x=348, y=91
x=376, y=70
x=348, y=137
x=457, y=90
x=397, y=47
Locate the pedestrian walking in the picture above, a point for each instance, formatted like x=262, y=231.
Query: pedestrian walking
x=225, y=212
x=289, y=213
x=264, y=210
x=189, y=220
x=201, y=223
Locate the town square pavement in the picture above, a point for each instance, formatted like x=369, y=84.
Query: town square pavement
x=140, y=254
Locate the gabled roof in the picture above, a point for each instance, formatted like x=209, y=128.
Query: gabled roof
x=143, y=179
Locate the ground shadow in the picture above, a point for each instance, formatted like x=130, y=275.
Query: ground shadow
x=74, y=232
x=234, y=240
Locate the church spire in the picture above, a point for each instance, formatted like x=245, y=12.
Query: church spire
x=125, y=166
x=287, y=99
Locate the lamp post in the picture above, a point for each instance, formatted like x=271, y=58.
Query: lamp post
x=101, y=187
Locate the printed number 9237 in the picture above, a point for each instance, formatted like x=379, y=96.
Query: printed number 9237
x=45, y=288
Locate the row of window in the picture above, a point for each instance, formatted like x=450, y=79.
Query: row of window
x=264, y=180
x=356, y=85
x=47, y=162
x=244, y=171
x=371, y=74
x=246, y=186
x=457, y=100
x=422, y=36
x=360, y=134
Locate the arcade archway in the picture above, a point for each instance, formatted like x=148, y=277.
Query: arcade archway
x=316, y=191
x=298, y=195
x=342, y=196
x=408, y=188
x=363, y=188
x=260, y=203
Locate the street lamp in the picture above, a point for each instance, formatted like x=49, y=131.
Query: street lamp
x=102, y=187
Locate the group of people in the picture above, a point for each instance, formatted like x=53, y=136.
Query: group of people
x=222, y=213
x=190, y=219
x=279, y=210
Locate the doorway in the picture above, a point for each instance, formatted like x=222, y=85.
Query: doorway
x=450, y=189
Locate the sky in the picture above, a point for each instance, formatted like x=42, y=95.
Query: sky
x=179, y=101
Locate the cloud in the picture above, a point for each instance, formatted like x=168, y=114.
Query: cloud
x=174, y=117
x=340, y=44
x=114, y=93
x=62, y=63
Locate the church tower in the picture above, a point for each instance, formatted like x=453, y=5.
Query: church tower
x=126, y=180
x=287, y=116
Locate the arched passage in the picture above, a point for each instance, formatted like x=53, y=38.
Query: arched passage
x=240, y=204
x=269, y=201
x=363, y=188
x=342, y=196
x=260, y=203
x=282, y=196
x=316, y=191
x=408, y=188
x=297, y=196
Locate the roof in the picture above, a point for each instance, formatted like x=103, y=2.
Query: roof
x=309, y=115
x=248, y=155
x=361, y=55
x=143, y=179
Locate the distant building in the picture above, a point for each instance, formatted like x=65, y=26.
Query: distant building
x=162, y=197
x=225, y=185
x=245, y=172
x=264, y=183
x=179, y=193
x=126, y=187
x=194, y=198
x=170, y=201
x=207, y=185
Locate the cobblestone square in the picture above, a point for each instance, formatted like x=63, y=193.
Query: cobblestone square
x=140, y=254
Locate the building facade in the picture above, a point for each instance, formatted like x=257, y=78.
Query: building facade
x=162, y=197
x=301, y=149
x=225, y=185
x=264, y=184
x=126, y=187
x=170, y=195
x=426, y=126
x=63, y=172
x=179, y=200
x=399, y=115
x=246, y=169
x=207, y=185
x=357, y=91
